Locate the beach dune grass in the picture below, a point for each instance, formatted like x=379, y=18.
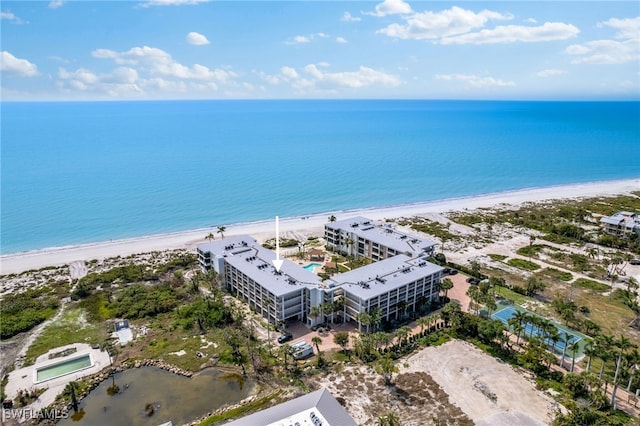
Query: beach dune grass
x=523, y=264
x=554, y=273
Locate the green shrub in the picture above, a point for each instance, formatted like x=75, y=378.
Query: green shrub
x=590, y=284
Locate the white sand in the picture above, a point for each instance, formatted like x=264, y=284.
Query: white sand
x=310, y=225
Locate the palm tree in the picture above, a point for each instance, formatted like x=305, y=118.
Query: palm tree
x=349, y=243
x=332, y=218
x=403, y=333
x=573, y=347
x=386, y=367
x=70, y=389
x=363, y=318
x=341, y=338
x=604, y=343
x=423, y=322
x=520, y=318
x=210, y=237
x=286, y=351
x=221, y=230
x=316, y=341
x=314, y=312
x=623, y=344
x=554, y=336
x=532, y=238
x=375, y=317
x=446, y=284
x=590, y=350
x=565, y=339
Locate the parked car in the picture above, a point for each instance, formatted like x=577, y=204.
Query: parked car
x=453, y=272
x=283, y=338
x=635, y=261
x=473, y=281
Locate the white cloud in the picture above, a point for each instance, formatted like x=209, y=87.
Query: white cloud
x=531, y=21
x=158, y=62
x=434, y=25
x=364, y=76
x=549, y=31
x=348, y=18
x=625, y=49
x=605, y=52
x=550, y=73
x=475, y=81
x=300, y=39
x=314, y=78
x=9, y=16
x=171, y=2
x=628, y=28
x=197, y=39
x=341, y=40
x=21, y=67
x=54, y=4
x=391, y=7
x=289, y=73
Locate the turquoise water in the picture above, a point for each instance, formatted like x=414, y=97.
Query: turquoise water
x=531, y=330
x=311, y=267
x=80, y=172
x=62, y=368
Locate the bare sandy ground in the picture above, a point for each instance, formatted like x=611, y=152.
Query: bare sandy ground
x=298, y=226
x=488, y=391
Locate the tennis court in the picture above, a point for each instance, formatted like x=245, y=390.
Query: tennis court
x=531, y=330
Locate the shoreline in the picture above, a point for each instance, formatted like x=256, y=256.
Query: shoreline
x=313, y=223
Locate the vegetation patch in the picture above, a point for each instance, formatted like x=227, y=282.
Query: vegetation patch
x=71, y=327
x=590, y=284
x=523, y=264
x=23, y=311
x=497, y=257
x=242, y=410
x=556, y=274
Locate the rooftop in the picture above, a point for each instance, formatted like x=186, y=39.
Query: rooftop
x=315, y=408
x=382, y=234
x=380, y=277
x=255, y=261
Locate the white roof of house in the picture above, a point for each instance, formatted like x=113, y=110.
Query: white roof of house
x=314, y=409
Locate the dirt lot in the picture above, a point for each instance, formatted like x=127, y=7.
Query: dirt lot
x=486, y=390
x=451, y=384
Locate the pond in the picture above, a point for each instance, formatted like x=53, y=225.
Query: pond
x=149, y=396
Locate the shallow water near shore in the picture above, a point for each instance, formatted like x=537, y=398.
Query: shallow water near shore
x=169, y=396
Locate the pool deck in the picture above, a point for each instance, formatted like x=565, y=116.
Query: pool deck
x=24, y=377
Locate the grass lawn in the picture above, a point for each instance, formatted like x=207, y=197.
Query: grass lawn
x=71, y=327
x=517, y=298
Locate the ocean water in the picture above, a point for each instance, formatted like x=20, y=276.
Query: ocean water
x=79, y=172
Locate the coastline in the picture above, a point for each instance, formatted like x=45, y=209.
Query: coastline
x=308, y=225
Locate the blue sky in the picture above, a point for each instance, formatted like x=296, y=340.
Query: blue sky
x=195, y=49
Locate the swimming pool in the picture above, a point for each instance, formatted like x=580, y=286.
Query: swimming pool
x=531, y=330
x=311, y=267
x=63, y=367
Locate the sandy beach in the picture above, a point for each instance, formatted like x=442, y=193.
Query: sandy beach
x=300, y=226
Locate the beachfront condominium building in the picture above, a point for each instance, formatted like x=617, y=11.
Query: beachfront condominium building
x=360, y=237
x=621, y=224
x=392, y=286
x=249, y=274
